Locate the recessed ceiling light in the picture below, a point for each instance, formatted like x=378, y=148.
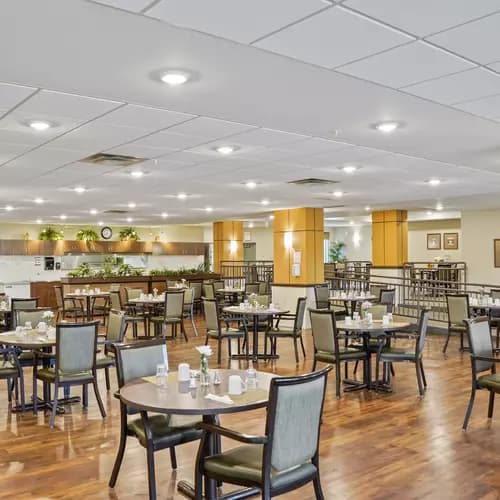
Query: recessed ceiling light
x=93, y=211
x=439, y=206
x=39, y=125
x=429, y=212
x=338, y=194
x=387, y=127
x=367, y=208
x=63, y=217
x=208, y=209
x=251, y=184
x=131, y=205
x=9, y=208
x=174, y=78
x=79, y=189
x=100, y=223
x=434, y=182
x=182, y=196
x=39, y=221
x=264, y=202
x=349, y=169
x=271, y=217
x=137, y=174
x=39, y=200
x=129, y=219
x=250, y=225
x=225, y=150
x=164, y=215
x=351, y=223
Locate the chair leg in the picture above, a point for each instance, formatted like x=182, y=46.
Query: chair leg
x=151, y=472
x=498, y=336
x=219, y=350
x=106, y=373
x=461, y=341
x=173, y=458
x=446, y=343
x=423, y=373
x=183, y=330
x=98, y=396
x=317, y=488
x=121, y=448
x=419, y=379
x=491, y=404
x=21, y=389
x=337, y=381
x=54, y=405
x=206, y=340
x=469, y=408
x=391, y=366
x=35, y=392
x=9, y=390
x=296, y=350
x=85, y=395
x=356, y=367
x=314, y=364
x=229, y=353
x=377, y=373
x=302, y=345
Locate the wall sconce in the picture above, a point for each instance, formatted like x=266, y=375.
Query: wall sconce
x=288, y=239
x=356, y=238
x=233, y=246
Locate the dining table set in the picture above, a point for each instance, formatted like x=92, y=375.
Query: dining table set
x=350, y=300
x=88, y=298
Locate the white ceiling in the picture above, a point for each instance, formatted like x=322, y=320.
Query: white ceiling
x=294, y=85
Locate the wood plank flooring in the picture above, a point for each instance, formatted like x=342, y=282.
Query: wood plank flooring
x=373, y=446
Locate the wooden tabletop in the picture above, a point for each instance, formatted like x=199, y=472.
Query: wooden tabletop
x=33, y=339
x=177, y=397
x=374, y=326
x=254, y=312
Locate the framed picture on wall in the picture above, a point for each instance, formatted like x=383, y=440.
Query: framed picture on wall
x=450, y=241
x=496, y=252
x=433, y=241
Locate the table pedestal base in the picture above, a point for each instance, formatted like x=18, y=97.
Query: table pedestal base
x=42, y=405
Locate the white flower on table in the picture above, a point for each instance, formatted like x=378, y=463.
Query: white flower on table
x=366, y=305
x=48, y=315
x=205, y=350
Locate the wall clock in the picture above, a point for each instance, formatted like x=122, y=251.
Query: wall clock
x=106, y=232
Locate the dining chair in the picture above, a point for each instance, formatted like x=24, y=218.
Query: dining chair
x=482, y=360
x=15, y=304
x=173, y=315
x=294, y=332
x=188, y=308
x=11, y=370
x=75, y=364
x=322, y=296
x=197, y=287
x=251, y=288
x=494, y=315
x=154, y=432
x=326, y=344
x=34, y=316
x=132, y=316
x=115, y=333
x=263, y=288
x=215, y=331
x=387, y=298
x=100, y=306
x=208, y=291
x=389, y=354
x=68, y=307
x=458, y=311
x=286, y=457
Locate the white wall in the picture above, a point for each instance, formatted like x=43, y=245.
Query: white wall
x=357, y=239
x=263, y=239
x=417, y=240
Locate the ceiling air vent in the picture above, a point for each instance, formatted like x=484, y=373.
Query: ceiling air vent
x=115, y=211
x=113, y=160
x=311, y=181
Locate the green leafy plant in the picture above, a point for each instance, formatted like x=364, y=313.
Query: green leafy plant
x=82, y=271
x=128, y=270
x=87, y=235
x=128, y=234
x=181, y=271
x=337, y=252
x=50, y=234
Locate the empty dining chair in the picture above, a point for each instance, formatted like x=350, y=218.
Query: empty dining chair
x=33, y=316
x=387, y=297
x=494, y=315
x=173, y=315
x=132, y=316
x=15, y=304
x=188, y=309
x=68, y=307
x=251, y=288
x=458, y=311
x=483, y=364
x=11, y=371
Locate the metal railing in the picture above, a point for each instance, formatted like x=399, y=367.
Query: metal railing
x=436, y=271
x=237, y=273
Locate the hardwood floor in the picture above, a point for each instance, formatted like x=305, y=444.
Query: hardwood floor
x=390, y=446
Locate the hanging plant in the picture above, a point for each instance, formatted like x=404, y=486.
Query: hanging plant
x=87, y=235
x=128, y=234
x=50, y=234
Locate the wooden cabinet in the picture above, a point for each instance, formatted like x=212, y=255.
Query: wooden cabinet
x=44, y=290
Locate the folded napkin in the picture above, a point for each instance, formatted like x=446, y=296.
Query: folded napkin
x=220, y=399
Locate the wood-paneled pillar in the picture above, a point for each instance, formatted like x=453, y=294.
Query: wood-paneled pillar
x=228, y=242
x=390, y=238
x=298, y=231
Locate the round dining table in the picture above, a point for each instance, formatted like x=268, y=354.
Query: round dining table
x=171, y=396
x=352, y=300
x=88, y=300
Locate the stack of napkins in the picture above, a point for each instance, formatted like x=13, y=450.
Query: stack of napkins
x=220, y=399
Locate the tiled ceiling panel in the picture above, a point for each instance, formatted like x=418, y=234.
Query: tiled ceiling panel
x=210, y=128
x=240, y=20
x=332, y=38
x=406, y=65
x=132, y=5
x=424, y=17
x=488, y=107
x=267, y=137
x=11, y=95
x=460, y=87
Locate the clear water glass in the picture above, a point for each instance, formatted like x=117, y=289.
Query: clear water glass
x=251, y=381
x=161, y=374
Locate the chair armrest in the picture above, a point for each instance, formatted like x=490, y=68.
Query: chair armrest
x=238, y=436
x=485, y=358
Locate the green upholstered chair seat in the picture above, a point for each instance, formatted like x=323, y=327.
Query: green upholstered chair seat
x=162, y=319
x=457, y=327
x=164, y=434
x=105, y=361
x=243, y=465
x=283, y=332
x=7, y=369
x=25, y=356
x=49, y=375
x=490, y=382
x=229, y=332
x=345, y=354
x=134, y=318
x=397, y=353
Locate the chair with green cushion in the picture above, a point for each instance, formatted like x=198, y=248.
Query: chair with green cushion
x=326, y=344
x=322, y=296
x=388, y=354
x=208, y=291
x=387, y=297
x=131, y=315
x=15, y=304
x=294, y=332
x=115, y=332
x=188, y=308
x=34, y=316
x=494, y=315
x=251, y=288
x=197, y=287
x=286, y=457
x=166, y=431
x=68, y=307
x=458, y=311
x=75, y=364
x=173, y=315
x=12, y=371
x=263, y=288
x=482, y=360
x=215, y=331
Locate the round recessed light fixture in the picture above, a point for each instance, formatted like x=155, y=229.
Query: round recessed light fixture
x=271, y=217
x=131, y=205
x=164, y=215
x=434, y=182
x=338, y=194
x=79, y=189
x=129, y=219
x=250, y=225
x=9, y=208
x=174, y=78
x=251, y=184
x=439, y=207
x=63, y=217
x=349, y=169
x=351, y=223
x=93, y=211
x=39, y=201
x=39, y=125
x=429, y=212
x=100, y=223
x=264, y=202
x=225, y=150
x=39, y=221
x=367, y=208
x=387, y=127
x=208, y=209
x=137, y=174
x=182, y=196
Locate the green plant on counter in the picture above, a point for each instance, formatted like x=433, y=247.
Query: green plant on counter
x=50, y=234
x=128, y=234
x=82, y=271
x=337, y=252
x=87, y=235
x=181, y=271
x=128, y=270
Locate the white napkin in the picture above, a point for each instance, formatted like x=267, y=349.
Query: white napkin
x=220, y=399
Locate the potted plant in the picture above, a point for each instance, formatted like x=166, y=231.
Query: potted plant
x=337, y=252
x=50, y=234
x=87, y=235
x=128, y=234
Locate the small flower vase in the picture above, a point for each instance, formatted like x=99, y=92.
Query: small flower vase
x=204, y=378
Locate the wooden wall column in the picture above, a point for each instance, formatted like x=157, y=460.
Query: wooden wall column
x=299, y=230
x=228, y=242
x=390, y=238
